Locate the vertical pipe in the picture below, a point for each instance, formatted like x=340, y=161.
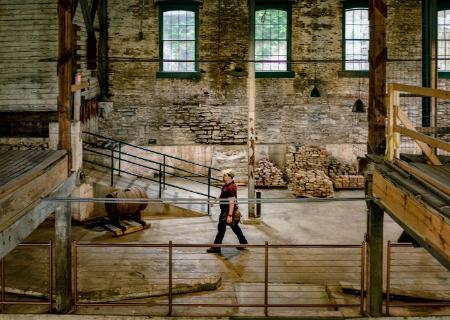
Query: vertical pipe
x=112, y=166
x=209, y=190
x=266, y=278
x=363, y=267
x=258, y=204
x=50, y=274
x=160, y=182
x=75, y=274
x=164, y=172
x=388, y=277
x=251, y=96
x=120, y=157
x=3, y=283
x=170, y=278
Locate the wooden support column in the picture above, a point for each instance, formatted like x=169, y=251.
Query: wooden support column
x=103, y=48
x=64, y=73
x=251, y=97
x=63, y=259
x=377, y=72
x=374, y=299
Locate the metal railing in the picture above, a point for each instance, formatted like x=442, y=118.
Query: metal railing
x=4, y=302
x=113, y=151
x=408, y=267
x=265, y=303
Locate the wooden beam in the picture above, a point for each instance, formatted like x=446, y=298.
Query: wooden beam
x=423, y=146
x=87, y=18
x=63, y=261
x=65, y=53
x=13, y=234
x=251, y=120
x=437, y=143
x=423, y=92
x=416, y=172
x=377, y=77
x=94, y=7
x=412, y=214
x=79, y=87
x=375, y=219
x=103, y=48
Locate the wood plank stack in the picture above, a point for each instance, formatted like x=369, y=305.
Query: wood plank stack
x=268, y=175
x=311, y=183
x=344, y=175
x=307, y=169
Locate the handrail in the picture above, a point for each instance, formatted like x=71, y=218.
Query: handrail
x=147, y=167
x=153, y=161
x=160, y=166
x=147, y=178
x=148, y=150
x=395, y=114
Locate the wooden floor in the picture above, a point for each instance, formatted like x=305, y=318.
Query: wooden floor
x=26, y=176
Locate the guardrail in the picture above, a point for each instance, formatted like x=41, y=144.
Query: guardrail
x=114, y=152
x=396, y=116
x=4, y=302
x=263, y=299
x=398, y=267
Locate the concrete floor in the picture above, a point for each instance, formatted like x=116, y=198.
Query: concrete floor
x=299, y=275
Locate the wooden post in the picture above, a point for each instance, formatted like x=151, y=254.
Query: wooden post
x=103, y=48
x=251, y=96
x=65, y=52
x=63, y=261
x=374, y=299
x=377, y=73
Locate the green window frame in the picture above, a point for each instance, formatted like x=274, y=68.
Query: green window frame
x=356, y=36
x=443, y=40
x=175, y=38
x=269, y=36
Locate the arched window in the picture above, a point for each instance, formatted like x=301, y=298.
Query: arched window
x=356, y=36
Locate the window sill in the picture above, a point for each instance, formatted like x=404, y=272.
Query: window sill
x=178, y=75
x=275, y=74
x=444, y=75
x=353, y=74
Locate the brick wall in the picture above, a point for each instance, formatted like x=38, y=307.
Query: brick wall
x=212, y=110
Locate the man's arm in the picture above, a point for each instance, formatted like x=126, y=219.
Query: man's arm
x=231, y=202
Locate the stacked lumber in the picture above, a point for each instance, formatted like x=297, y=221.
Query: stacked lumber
x=307, y=169
x=311, y=183
x=344, y=175
x=268, y=175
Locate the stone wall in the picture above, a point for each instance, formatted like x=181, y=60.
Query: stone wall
x=212, y=110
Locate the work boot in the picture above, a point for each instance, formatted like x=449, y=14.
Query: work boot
x=213, y=250
x=241, y=248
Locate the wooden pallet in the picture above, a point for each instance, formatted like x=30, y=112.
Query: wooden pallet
x=130, y=226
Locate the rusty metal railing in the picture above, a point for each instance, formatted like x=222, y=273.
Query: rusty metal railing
x=265, y=303
x=4, y=302
x=418, y=302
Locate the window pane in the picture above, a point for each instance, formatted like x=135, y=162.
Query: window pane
x=356, y=39
x=271, y=39
x=444, y=40
x=178, y=40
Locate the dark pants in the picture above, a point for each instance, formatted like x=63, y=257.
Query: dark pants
x=222, y=227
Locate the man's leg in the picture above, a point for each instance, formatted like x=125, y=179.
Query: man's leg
x=221, y=228
x=237, y=230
